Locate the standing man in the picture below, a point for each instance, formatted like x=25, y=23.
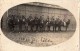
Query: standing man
x=23, y=23
x=58, y=24
x=52, y=22
x=36, y=22
x=43, y=23
x=11, y=23
x=30, y=22
x=48, y=23
x=40, y=23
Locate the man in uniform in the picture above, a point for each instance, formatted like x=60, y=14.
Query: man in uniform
x=36, y=22
x=52, y=22
x=40, y=23
x=23, y=23
x=58, y=24
x=48, y=23
x=10, y=22
x=30, y=22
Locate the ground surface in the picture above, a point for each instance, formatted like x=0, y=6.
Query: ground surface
x=40, y=38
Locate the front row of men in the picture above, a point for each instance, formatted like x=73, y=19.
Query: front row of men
x=20, y=23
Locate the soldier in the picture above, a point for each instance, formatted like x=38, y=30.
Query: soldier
x=30, y=22
x=40, y=23
x=23, y=23
x=36, y=22
x=18, y=23
x=67, y=23
x=26, y=25
x=52, y=22
x=10, y=22
x=58, y=24
x=48, y=23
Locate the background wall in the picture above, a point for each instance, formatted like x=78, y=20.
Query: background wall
x=26, y=10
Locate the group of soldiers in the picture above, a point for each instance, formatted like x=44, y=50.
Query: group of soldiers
x=37, y=23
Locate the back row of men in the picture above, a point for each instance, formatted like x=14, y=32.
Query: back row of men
x=21, y=23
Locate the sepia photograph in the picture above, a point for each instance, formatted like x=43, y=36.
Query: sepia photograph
x=38, y=24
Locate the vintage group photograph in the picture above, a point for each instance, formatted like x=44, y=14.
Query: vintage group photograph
x=38, y=24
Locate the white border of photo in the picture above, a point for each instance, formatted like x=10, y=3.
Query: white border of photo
x=70, y=45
